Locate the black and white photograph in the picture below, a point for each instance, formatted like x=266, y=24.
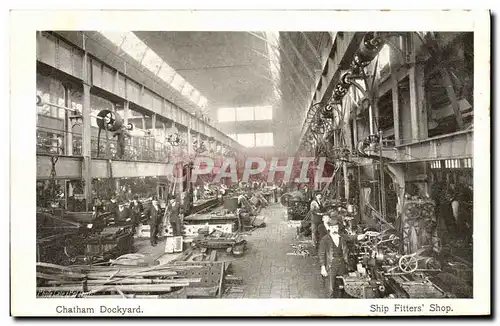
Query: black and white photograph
x=263, y=161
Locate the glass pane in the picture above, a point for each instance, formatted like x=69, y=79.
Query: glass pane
x=384, y=58
x=233, y=136
x=134, y=47
x=115, y=37
x=60, y=101
x=178, y=82
x=263, y=113
x=247, y=140
x=226, y=114
x=264, y=140
x=187, y=90
x=152, y=61
x=244, y=114
x=166, y=73
x=195, y=96
x=202, y=102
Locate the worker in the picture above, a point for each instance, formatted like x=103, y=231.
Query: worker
x=154, y=216
x=275, y=192
x=323, y=227
x=124, y=215
x=186, y=203
x=174, y=212
x=121, y=136
x=316, y=208
x=112, y=206
x=333, y=256
x=223, y=190
x=307, y=193
x=137, y=209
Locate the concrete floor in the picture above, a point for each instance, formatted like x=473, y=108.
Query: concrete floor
x=267, y=270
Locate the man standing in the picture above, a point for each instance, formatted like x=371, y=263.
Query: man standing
x=316, y=208
x=154, y=215
x=307, y=193
x=124, y=215
x=137, y=209
x=121, y=135
x=333, y=256
x=323, y=227
x=174, y=211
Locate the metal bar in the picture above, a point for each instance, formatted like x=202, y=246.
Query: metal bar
x=299, y=56
x=311, y=46
x=293, y=68
x=284, y=54
x=382, y=178
x=395, y=108
x=68, y=136
x=452, y=97
x=86, y=147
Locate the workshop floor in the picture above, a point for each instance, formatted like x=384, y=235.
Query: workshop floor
x=266, y=269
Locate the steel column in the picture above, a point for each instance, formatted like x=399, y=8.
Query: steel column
x=395, y=108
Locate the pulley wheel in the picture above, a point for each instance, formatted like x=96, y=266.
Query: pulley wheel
x=408, y=263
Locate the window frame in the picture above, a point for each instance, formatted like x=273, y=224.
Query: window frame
x=219, y=115
x=266, y=144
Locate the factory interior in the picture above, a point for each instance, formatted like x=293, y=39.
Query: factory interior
x=136, y=133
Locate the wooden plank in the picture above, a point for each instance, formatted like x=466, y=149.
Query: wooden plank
x=232, y=279
x=221, y=281
x=202, y=292
x=124, y=288
x=172, y=282
x=213, y=255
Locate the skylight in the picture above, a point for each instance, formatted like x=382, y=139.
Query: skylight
x=138, y=50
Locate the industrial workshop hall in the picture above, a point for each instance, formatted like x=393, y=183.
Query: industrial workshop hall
x=257, y=164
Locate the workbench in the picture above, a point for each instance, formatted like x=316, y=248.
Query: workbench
x=203, y=204
x=214, y=218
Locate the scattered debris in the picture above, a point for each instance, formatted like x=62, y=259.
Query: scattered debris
x=299, y=250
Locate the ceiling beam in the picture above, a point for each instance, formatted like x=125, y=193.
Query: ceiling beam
x=311, y=47
x=299, y=56
x=284, y=54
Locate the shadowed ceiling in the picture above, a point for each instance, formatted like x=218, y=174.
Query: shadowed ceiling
x=234, y=69
x=225, y=67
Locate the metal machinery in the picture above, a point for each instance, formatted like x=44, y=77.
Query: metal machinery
x=297, y=205
x=383, y=272
x=403, y=261
x=70, y=238
x=65, y=237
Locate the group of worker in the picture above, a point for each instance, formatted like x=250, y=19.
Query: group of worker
x=135, y=213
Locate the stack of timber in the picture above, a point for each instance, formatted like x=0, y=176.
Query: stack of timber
x=193, y=274
x=161, y=281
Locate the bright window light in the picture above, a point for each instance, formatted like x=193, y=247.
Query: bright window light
x=264, y=139
x=178, y=82
x=195, y=96
x=134, y=47
x=152, y=61
x=247, y=140
x=226, y=114
x=244, y=114
x=263, y=112
x=186, y=90
x=139, y=51
x=384, y=57
x=115, y=37
x=166, y=73
x=232, y=136
x=202, y=102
